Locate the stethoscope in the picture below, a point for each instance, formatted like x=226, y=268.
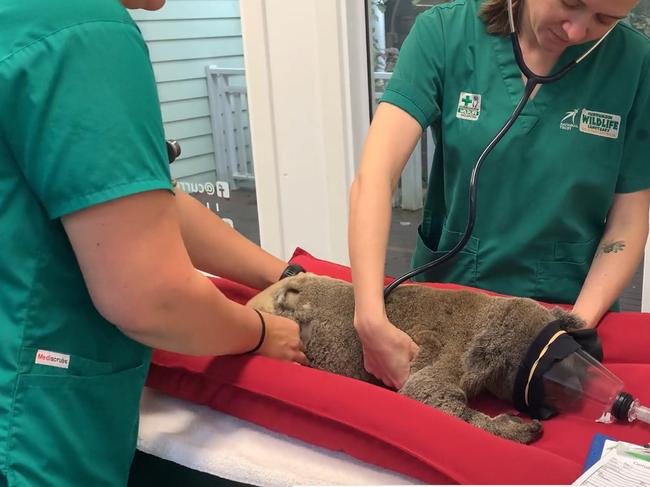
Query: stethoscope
x=173, y=150
x=532, y=81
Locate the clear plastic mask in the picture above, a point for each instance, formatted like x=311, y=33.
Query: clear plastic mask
x=580, y=385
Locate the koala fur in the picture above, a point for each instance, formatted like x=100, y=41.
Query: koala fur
x=469, y=342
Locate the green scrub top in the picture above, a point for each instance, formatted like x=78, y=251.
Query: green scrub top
x=545, y=191
x=80, y=125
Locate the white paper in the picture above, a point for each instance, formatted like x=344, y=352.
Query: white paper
x=618, y=467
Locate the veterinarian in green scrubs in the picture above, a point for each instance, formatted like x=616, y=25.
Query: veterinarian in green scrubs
x=546, y=191
x=61, y=362
x=93, y=269
x=562, y=205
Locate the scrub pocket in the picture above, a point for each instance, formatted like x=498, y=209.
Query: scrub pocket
x=560, y=280
x=74, y=427
x=461, y=269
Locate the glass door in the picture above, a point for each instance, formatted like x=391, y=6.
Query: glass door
x=389, y=23
x=197, y=53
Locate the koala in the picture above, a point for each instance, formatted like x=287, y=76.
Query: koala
x=469, y=342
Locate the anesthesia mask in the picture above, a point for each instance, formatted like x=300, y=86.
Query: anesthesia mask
x=561, y=372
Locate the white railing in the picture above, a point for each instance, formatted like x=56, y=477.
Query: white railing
x=232, y=144
x=230, y=133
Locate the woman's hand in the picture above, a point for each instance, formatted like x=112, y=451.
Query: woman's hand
x=282, y=340
x=387, y=352
x=391, y=139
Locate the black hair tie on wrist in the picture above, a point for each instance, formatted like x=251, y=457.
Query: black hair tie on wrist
x=262, y=332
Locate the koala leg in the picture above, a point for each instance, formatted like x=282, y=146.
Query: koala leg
x=440, y=389
x=510, y=427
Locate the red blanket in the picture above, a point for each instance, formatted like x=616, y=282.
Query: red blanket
x=381, y=427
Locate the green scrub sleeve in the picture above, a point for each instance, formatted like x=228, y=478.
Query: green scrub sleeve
x=634, y=174
x=85, y=123
x=416, y=83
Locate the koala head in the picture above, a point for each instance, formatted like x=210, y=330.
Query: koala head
x=497, y=350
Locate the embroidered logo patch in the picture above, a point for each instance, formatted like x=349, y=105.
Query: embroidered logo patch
x=469, y=106
x=601, y=124
x=569, y=120
x=53, y=359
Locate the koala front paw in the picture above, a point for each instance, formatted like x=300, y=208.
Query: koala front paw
x=514, y=428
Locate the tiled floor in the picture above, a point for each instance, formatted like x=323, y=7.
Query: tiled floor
x=242, y=209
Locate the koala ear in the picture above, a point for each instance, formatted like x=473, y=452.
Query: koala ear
x=279, y=296
x=485, y=362
x=287, y=299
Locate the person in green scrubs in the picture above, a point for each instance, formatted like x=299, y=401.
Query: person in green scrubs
x=562, y=211
x=97, y=253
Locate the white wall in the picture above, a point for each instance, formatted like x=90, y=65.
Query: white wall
x=306, y=72
x=183, y=38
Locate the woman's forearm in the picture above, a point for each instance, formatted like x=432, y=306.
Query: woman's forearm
x=369, y=224
x=617, y=259
x=392, y=137
x=217, y=248
x=193, y=317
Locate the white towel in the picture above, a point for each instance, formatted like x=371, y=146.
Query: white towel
x=209, y=441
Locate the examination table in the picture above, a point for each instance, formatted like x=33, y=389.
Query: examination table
x=266, y=422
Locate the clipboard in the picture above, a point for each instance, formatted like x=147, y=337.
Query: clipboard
x=596, y=450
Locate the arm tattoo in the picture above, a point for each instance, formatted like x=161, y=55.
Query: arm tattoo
x=611, y=247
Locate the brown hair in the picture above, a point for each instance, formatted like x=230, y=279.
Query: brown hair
x=495, y=15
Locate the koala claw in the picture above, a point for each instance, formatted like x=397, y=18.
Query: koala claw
x=514, y=428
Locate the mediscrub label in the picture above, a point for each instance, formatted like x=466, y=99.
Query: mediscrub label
x=53, y=359
x=601, y=124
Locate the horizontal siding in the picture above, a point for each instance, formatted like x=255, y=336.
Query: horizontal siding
x=182, y=90
x=191, y=9
x=165, y=30
x=190, y=128
x=193, y=165
x=183, y=38
x=182, y=49
x=193, y=68
x=198, y=146
x=175, y=111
